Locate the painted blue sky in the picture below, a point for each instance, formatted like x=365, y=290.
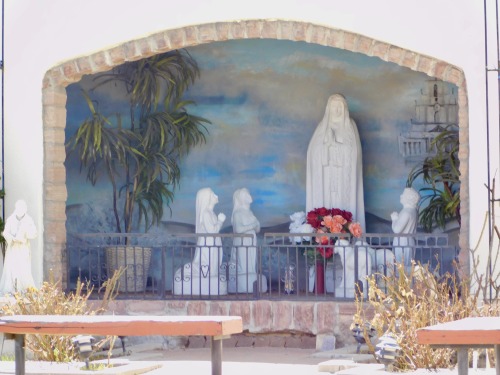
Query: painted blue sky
x=264, y=99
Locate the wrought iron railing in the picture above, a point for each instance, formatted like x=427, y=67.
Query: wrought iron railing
x=230, y=267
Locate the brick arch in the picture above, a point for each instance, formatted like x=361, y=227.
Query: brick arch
x=56, y=79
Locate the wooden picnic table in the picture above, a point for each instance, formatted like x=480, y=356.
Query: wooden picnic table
x=217, y=327
x=463, y=334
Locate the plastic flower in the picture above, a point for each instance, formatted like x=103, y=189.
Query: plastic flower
x=334, y=220
x=334, y=224
x=323, y=240
x=326, y=252
x=355, y=229
x=323, y=221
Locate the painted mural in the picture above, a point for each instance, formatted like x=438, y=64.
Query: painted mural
x=264, y=99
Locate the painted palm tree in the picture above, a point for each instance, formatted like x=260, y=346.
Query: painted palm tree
x=440, y=173
x=139, y=151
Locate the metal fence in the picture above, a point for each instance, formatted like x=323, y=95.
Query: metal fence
x=231, y=267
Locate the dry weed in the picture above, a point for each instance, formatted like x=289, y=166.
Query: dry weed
x=408, y=302
x=50, y=299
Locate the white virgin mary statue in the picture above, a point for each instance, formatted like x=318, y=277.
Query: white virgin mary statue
x=19, y=230
x=334, y=175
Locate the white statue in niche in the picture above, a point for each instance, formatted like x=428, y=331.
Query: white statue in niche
x=19, y=230
x=243, y=263
x=334, y=174
x=298, y=225
x=405, y=222
x=203, y=275
x=380, y=262
x=347, y=252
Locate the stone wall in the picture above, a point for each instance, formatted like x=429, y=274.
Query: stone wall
x=299, y=324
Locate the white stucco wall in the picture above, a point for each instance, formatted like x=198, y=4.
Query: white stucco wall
x=43, y=33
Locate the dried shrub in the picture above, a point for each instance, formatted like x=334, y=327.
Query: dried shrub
x=50, y=299
x=407, y=302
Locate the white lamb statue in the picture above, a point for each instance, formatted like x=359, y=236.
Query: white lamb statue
x=369, y=261
x=299, y=225
x=382, y=259
x=347, y=287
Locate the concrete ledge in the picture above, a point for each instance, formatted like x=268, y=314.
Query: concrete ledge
x=120, y=367
x=336, y=365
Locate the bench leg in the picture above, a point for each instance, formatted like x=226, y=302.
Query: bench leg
x=20, y=354
x=497, y=359
x=216, y=356
x=462, y=361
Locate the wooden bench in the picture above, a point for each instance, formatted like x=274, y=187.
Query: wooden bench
x=463, y=334
x=217, y=327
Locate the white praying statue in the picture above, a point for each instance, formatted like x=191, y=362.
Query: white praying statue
x=19, y=230
x=203, y=275
x=357, y=265
x=334, y=173
x=405, y=222
x=243, y=272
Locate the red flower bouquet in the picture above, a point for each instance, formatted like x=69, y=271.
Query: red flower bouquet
x=324, y=220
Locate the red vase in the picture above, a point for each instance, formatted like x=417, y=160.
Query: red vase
x=319, y=285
